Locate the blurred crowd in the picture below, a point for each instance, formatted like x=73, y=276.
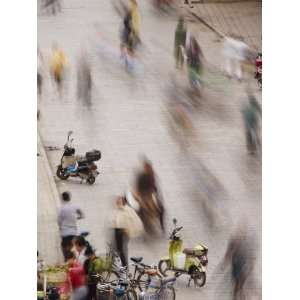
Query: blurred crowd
x=140, y=211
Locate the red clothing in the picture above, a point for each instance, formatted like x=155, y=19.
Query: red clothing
x=76, y=275
x=258, y=63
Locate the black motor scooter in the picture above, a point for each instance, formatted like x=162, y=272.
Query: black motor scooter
x=78, y=166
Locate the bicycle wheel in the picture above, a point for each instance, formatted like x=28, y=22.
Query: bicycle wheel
x=130, y=295
x=109, y=276
x=167, y=293
x=144, y=279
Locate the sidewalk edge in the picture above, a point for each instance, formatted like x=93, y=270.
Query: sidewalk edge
x=50, y=175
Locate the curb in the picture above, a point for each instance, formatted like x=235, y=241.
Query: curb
x=56, y=257
x=53, y=186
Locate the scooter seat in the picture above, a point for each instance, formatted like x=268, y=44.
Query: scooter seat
x=189, y=251
x=136, y=259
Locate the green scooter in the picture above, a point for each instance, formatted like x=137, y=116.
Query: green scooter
x=188, y=261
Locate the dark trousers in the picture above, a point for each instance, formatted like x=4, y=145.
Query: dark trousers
x=66, y=244
x=121, y=242
x=92, y=290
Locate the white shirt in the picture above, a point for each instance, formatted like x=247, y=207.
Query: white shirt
x=67, y=219
x=234, y=49
x=81, y=258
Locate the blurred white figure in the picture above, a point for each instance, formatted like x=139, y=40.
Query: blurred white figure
x=235, y=52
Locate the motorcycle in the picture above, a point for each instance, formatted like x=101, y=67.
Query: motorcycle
x=258, y=72
x=189, y=261
x=78, y=166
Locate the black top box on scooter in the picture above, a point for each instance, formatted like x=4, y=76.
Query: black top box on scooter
x=93, y=155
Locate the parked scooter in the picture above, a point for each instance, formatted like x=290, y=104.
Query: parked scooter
x=78, y=166
x=190, y=261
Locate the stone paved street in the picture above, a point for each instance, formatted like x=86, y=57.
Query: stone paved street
x=127, y=117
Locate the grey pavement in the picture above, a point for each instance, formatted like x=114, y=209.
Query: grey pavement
x=127, y=117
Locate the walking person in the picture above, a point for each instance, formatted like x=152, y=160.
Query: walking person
x=67, y=222
x=136, y=22
x=238, y=256
x=195, y=59
x=179, y=43
x=153, y=185
x=251, y=114
x=149, y=208
x=40, y=61
x=76, y=277
x=53, y=6
x=126, y=36
x=125, y=224
x=58, y=66
x=84, y=78
x=235, y=52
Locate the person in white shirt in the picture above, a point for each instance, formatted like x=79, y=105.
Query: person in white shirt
x=234, y=52
x=67, y=222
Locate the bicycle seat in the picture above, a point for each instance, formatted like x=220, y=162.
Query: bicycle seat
x=167, y=280
x=136, y=259
x=189, y=251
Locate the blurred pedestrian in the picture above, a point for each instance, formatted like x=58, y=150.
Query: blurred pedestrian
x=127, y=42
x=150, y=207
x=67, y=221
x=40, y=61
x=235, y=52
x=84, y=77
x=240, y=258
x=179, y=44
x=153, y=185
x=195, y=59
x=125, y=224
x=53, y=6
x=58, y=66
x=136, y=21
x=76, y=277
x=251, y=115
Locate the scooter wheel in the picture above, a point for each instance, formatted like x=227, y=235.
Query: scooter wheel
x=198, y=277
x=61, y=174
x=91, y=180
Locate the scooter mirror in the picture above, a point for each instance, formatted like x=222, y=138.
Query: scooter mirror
x=174, y=221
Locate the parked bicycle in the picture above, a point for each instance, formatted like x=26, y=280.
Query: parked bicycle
x=142, y=274
x=159, y=289
x=116, y=290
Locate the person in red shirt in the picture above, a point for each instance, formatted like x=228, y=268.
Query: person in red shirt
x=76, y=277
